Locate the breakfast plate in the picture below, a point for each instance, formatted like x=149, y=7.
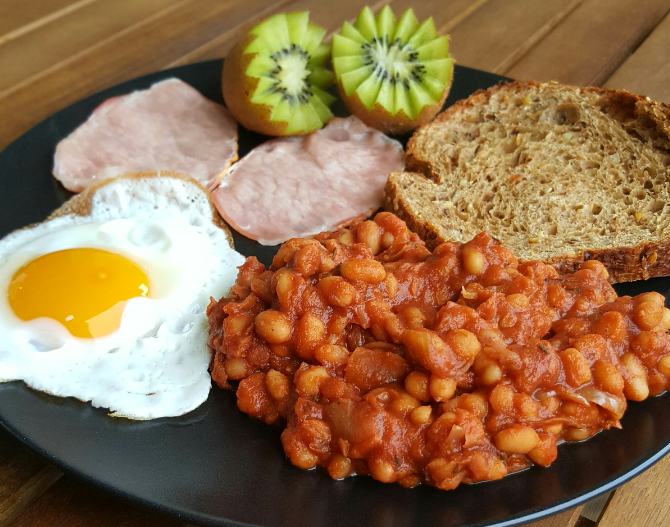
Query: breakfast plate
x=216, y=466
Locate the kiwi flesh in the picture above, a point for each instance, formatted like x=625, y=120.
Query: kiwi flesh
x=274, y=78
x=393, y=74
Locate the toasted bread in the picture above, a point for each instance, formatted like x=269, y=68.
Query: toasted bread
x=556, y=173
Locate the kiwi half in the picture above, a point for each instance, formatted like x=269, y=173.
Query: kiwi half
x=392, y=74
x=274, y=77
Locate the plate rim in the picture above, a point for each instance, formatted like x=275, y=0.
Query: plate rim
x=195, y=517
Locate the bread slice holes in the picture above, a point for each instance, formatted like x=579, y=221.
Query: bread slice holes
x=596, y=209
x=627, y=200
x=552, y=230
x=648, y=185
x=626, y=191
x=657, y=206
x=639, y=194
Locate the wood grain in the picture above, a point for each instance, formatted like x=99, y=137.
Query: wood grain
x=17, y=465
x=332, y=16
x=647, y=71
x=137, y=50
x=484, y=40
x=35, y=487
x=643, y=502
x=18, y=14
x=28, y=55
x=565, y=519
x=329, y=16
x=591, y=42
x=72, y=503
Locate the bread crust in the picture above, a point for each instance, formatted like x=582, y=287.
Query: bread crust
x=658, y=112
x=626, y=263
x=80, y=205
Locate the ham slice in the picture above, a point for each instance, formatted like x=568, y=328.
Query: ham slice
x=170, y=126
x=294, y=187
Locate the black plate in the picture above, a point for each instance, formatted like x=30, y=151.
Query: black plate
x=216, y=466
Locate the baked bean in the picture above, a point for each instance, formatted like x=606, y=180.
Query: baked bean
x=607, y=377
x=311, y=331
x=369, y=233
x=473, y=260
x=329, y=353
x=308, y=380
x=573, y=433
x=278, y=384
x=273, y=326
x=445, y=362
x=554, y=429
x=387, y=240
x=391, y=284
x=413, y=317
x=417, y=385
x=647, y=315
x=551, y=404
x=492, y=374
x=475, y=403
x=308, y=259
x=527, y=406
x=502, y=399
x=545, y=452
x=441, y=390
x=369, y=271
x=581, y=413
x=404, y=403
x=381, y=470
x=339, y=467
x=518, y=301
x=651, y=296
x=444, y=474
x=236, y=369
x=576, y=367
x=516, y=439
x=598, y=267
x=463, y=343
x=338, y=292
x=611, y=326
x=664, y=324
x=281, y=350
x=301, y=456
x=421, y=415
x=636, y=387
x=336, y=327
x=663, y=365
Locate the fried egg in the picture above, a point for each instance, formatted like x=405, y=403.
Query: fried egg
x=106, y=300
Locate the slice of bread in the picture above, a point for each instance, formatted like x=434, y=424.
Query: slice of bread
x=556, y=173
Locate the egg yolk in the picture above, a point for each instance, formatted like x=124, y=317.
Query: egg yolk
x=84, y=289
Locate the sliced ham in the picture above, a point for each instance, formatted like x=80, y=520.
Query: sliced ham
x=298, y=186
x=170, y=126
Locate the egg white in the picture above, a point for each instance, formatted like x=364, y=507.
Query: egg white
x=156, y=363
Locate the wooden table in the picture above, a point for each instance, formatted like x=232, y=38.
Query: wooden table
x=54, y=52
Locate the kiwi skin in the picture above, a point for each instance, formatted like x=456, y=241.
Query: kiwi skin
x=398, y=124
x=238, y=89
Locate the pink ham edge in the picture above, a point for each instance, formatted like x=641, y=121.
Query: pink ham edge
x=170, y=126
x=294, y=187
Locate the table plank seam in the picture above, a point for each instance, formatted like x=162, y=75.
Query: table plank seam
x=28, y=81
x=535, y=38
x=13, y=506
x=193, y=54
x=52, y=17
